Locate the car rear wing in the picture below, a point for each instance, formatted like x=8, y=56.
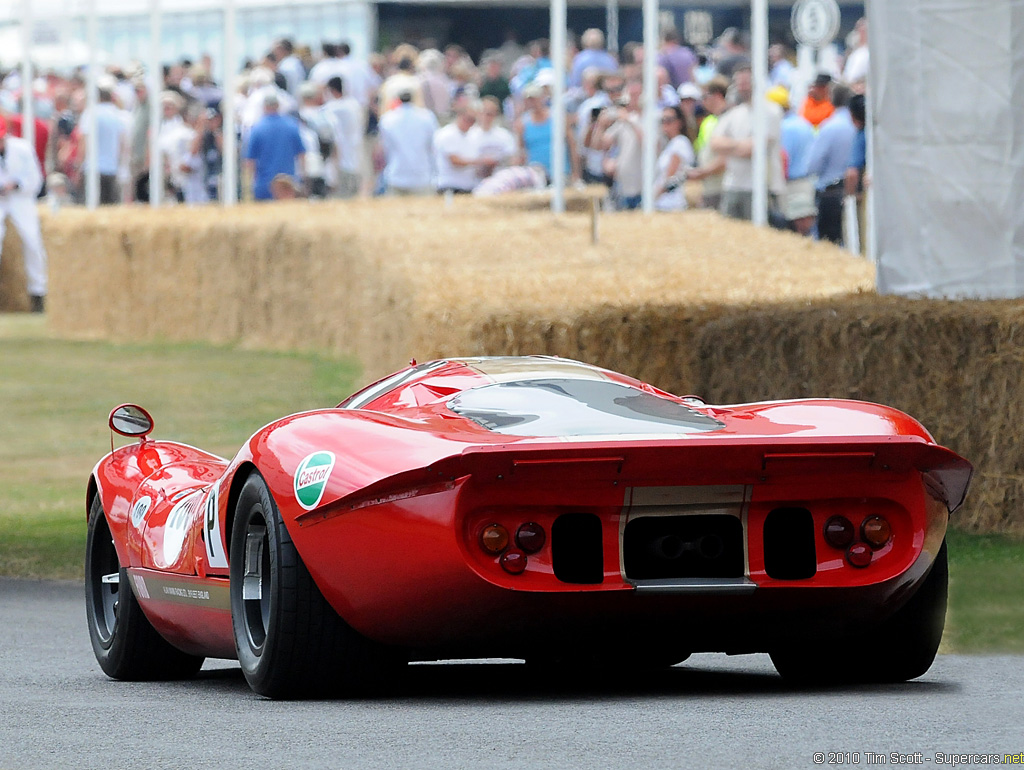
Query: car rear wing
x=672, y=462
x=945, y=474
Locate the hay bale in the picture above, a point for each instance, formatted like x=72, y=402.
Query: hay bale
x=690, y=302
x=955, y=366
x=13, y=291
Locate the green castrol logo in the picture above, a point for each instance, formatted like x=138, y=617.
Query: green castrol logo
x=311, y=478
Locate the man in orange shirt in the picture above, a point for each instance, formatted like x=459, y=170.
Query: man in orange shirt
x=818, y=105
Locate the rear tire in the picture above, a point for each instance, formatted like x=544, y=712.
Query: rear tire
x=125, y=643
x=902, y=648
x=290, y=641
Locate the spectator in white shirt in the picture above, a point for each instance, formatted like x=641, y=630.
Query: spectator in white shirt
x=495, y=145
x=20, y=180
x=346, y=117
x=289, y=65
x=328, y=67
x=318, y=138
x=261, y=83
x=361, y=82
x=407, y=135
x=455, y=152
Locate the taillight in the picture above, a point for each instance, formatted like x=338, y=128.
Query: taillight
x=859, y=555
x=513, y=562
x=875, y=531
x=512, y=551
x=839, y=532
x=494, y=539
x=530, y=537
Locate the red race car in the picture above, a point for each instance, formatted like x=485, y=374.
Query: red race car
x=534, y=508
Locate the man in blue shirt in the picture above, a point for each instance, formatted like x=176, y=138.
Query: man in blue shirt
x=275, y=147
x=859, y=155
x=592, y=55
x=828, y=160
x=796, y=135
x=110, y=133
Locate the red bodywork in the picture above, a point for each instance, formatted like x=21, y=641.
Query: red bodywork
x=394, y=539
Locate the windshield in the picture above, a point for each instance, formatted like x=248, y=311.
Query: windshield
x=576, y=407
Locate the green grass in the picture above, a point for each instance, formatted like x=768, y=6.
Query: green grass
x=55, y=396
x=986, y=594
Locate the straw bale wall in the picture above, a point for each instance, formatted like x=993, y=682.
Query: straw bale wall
x=689, y=302
x=13, y=294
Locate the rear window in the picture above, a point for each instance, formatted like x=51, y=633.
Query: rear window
x=574, y=407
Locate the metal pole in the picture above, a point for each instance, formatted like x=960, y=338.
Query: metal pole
x=65, y=35
x=611, y=20
x=871, y=236
x=28, y=116
x=759, y=157
x=558, y=106
x=229, y=169
x=92, y=145
x=156, y=84
x=648, y=113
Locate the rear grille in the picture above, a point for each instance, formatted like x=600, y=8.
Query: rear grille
x=576, y=550
x=695, y=546
x=789, y=544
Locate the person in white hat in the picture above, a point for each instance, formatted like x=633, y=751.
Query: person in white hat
x=20, y=182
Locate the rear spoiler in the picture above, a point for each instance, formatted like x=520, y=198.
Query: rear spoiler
x=670, y=462
x=945, y=474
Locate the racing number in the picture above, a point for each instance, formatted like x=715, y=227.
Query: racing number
x=211, y=523
x=211, y=526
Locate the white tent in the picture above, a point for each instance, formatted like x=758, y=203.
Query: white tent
x=947, y=99
x=44, y=56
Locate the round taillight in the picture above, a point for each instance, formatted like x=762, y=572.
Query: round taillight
x=513, y=562
x=839, y=532
x=530, y=537
x=494, y=538
x=859, y=555
x=875, y=531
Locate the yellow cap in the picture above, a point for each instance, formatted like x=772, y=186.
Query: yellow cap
x=779, y=95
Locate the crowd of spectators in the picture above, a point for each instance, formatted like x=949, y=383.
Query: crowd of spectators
x=421, y=120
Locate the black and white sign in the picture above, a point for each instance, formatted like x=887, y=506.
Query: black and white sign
x=815, y=23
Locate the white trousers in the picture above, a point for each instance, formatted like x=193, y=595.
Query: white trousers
x=25, y=218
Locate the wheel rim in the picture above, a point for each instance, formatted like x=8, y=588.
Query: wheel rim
x=104, y=577
x=256, y=582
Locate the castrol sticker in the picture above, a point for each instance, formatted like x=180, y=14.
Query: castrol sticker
x=311, y=478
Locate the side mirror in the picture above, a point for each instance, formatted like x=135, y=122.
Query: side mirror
x=131, y=420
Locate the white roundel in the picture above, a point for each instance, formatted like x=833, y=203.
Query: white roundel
x=139, y=510
x=177, y=526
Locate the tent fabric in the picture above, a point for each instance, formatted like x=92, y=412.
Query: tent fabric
x=947, y=101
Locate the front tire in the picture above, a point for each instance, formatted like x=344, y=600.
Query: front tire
x=290, y=641
x=125, y=643
x=901, y=648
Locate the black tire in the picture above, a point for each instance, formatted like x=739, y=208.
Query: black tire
x=125, y=643
x=901, y=648
x=290, y=641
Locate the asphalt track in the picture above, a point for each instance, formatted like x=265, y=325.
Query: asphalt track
x=57, y=710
